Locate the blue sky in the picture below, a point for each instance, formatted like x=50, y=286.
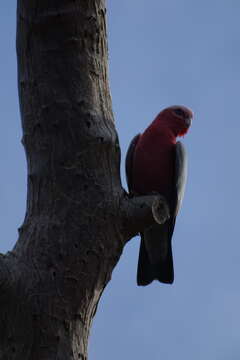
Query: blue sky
x=161, y=53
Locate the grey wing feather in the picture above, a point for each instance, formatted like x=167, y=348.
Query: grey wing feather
x=129, y=161
x=180, y=174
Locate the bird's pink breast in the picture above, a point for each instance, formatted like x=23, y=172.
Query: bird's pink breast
x=153, y=164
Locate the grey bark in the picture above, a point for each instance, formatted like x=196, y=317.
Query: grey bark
x=78, y=216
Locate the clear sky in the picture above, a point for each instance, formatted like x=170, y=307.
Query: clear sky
x=162, y=52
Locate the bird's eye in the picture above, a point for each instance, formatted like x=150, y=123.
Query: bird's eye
x=179, y=112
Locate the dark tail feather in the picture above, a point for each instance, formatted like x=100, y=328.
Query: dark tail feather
x=145, y=272
x=164, y=269
x=161, y=270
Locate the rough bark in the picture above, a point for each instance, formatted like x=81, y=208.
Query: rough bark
x=78, y=216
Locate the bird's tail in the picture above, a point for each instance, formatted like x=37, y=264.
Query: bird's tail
x=155, y=260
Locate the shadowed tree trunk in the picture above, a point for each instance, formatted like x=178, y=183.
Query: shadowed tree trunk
x=78, y=216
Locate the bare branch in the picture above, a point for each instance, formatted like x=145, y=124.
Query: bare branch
x=4, y=274
x=142, y=211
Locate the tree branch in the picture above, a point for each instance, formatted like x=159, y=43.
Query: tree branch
x=4, y=274
x=140, y=212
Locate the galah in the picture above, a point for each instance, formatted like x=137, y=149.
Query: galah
x=156, y=162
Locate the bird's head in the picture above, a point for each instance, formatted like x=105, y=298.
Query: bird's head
x=176, y=118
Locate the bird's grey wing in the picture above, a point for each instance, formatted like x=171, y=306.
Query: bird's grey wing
x=129, y=161
x=180, y=175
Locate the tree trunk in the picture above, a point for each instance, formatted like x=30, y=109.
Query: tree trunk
x=78, y=216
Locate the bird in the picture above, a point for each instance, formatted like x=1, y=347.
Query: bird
x=157, y=163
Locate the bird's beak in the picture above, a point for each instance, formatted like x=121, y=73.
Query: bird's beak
x=188, y=121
